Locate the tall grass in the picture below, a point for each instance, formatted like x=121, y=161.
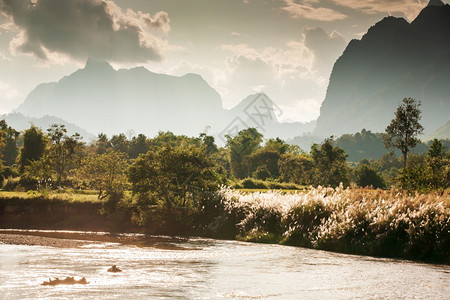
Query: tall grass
x=361, y=221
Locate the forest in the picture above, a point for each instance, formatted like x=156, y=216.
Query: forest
x=252, y=189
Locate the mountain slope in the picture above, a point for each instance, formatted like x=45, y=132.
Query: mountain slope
x=20, y=123
x=394, y=59
x=441, y=133
x=102, y=99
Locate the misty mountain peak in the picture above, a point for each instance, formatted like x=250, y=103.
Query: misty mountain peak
x=436, y=3
x=97, y=65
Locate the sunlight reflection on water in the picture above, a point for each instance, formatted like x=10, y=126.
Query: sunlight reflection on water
x=164, y=267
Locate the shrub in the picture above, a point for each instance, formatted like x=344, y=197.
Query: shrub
x=361, y=221
x=250, y=183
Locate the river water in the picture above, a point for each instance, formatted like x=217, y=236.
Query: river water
x=195, y=268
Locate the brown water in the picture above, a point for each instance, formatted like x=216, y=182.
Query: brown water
x=177, y=268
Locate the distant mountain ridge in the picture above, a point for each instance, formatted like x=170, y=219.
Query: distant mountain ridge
x=393, y=60
x=441, y=133
x=101, y=99
x=20, y=123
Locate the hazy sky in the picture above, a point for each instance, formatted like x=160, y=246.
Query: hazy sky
x=285, y=48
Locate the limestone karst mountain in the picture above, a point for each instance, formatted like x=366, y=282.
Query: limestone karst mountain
x=101, y=99
x=393, y=60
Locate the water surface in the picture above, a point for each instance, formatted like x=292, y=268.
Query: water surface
x=195, y=268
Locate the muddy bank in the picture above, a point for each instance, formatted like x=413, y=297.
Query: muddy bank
x=39, y=213
x=34, y=240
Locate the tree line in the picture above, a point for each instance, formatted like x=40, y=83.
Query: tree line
x=176, y=167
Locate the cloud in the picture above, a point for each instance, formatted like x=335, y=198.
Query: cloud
x=86, y=28
x=408, y=8
x=326, y=47
x=8, y=97
x=310, y=10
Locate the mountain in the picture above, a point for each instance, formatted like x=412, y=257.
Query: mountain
x=441, y=133
x=101, y=99
x=20, y=122
x=259, y=111
x=393, y=60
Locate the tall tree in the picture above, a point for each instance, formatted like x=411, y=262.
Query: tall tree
x=62, y=149
x=138, y=145
x=403, y=130
x=175, y=176
x=10, y=137
x=241, y=146
x=330, y=164
x=104, y=172
x=34, y=143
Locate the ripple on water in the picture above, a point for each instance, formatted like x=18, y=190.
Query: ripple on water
x=210, y=269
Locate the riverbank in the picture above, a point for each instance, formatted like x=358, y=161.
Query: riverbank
x=59, y=213
x=365, y=222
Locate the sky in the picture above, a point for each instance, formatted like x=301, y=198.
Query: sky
x=284, y=48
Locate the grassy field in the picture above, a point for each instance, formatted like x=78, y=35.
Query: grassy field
x=69, y=196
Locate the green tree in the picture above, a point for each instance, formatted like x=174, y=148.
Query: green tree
x=62, y=150
x=103, y=172
x=330, y=166
x=2, y=146
x=438, y=162
x=10, y=137
x=403, y=130
x=175, y=176
x=166, y=139
x=209, y=143
x=138, y=145
x=34, y=144
x=102, y=143
x=296, y=168
x=266, y=160
x=120, y=143
x=278, y=145
x=241, y=146
x=367, y=176
x=40, y=171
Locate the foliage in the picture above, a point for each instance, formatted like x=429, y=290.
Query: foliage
x=330, y=166
x=103, y=172
x=403, y=130
x=177, y=176
x=367, y=176
x=427, y=173
x=209, y=144
x=172, y=186
x=266, y=160
x=280, y=146
x=360, y=145
x=245, y=143
x=296, y=168
x=40, y=171
x=34, y=144
x=10, y=150
x=381, y=223
x=61, y=150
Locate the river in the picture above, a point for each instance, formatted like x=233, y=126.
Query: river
x=197, y=268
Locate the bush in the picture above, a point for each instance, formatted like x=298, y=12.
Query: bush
x=367, y=176
x=250, y=183
x=361, y=221
x=10, y=183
